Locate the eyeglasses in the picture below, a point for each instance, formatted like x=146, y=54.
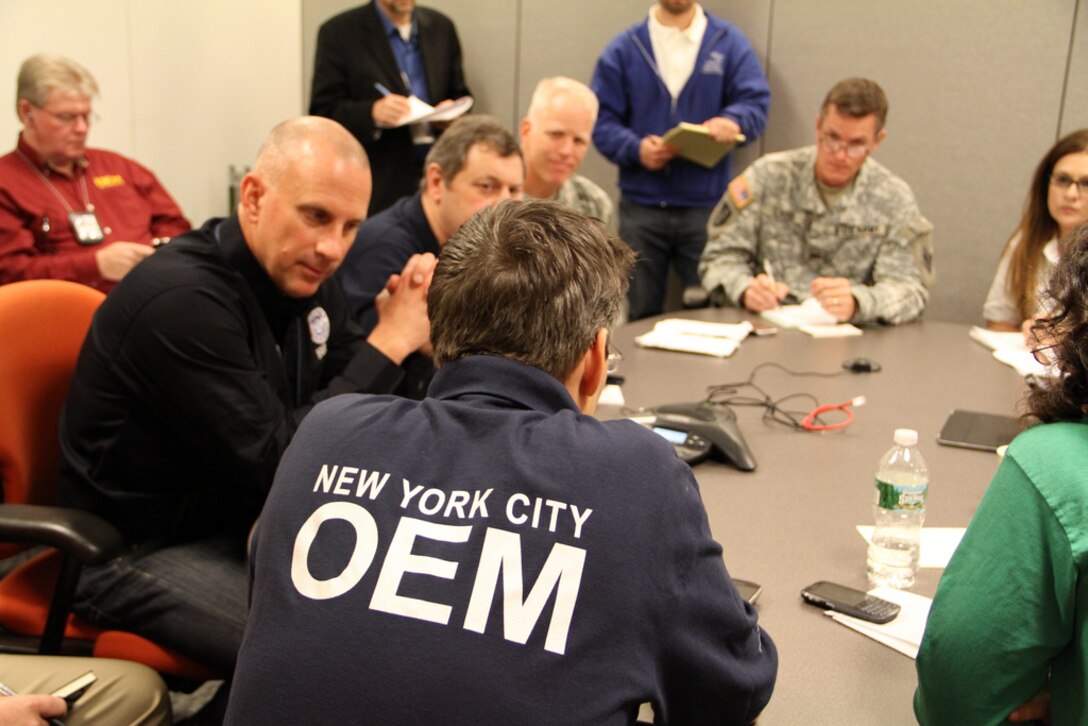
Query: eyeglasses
x=614, y=359
x=1064, y=181
x=1044, y=354
x=854, y=149
x=69, y=119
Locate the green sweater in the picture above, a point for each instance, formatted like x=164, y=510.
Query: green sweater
x=1011, y=605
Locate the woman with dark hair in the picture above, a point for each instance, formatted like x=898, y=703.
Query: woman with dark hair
x=1007, y=628
x=1057, y=203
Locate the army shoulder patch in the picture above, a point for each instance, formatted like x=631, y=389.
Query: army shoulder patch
x=739, y=192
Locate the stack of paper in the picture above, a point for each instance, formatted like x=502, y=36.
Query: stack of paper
x=1010, y=349
x=695, y=336
x=809, y=317
x=903, y=634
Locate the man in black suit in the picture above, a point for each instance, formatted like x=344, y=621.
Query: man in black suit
x=368, y=60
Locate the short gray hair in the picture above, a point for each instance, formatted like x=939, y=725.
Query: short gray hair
x=549, y=88
x=530, y=281
x=42, y=74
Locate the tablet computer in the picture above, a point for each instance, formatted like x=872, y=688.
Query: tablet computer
x=974, y=430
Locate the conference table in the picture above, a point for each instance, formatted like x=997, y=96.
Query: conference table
x=792, y=520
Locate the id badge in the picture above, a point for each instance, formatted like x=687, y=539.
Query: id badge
x=86, y=227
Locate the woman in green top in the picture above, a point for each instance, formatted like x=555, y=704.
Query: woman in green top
x=1006, y=635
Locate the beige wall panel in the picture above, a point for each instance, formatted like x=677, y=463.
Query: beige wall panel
x=1075, y=112
x=489, y=48
x=975, y=89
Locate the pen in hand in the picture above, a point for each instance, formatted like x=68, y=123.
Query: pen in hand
x=769, y=272
x=772, y=283
x=383, y=90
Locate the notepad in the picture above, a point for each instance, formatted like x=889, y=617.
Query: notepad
x=420, y=111
x=997, y=339
x=1009, y=348
x=810, y=312
x=696, y=336
x=695, y=144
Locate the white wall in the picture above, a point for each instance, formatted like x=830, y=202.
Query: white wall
x=188, y=88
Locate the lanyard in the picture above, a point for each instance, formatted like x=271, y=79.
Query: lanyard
x=49, y=185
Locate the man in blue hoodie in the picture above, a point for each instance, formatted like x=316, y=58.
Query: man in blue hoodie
x=680, y=64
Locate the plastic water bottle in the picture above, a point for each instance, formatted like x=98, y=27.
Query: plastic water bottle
x=899, y=507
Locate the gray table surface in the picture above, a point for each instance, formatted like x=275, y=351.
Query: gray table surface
x=792, y=521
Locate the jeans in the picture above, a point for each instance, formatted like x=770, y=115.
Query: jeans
x=191, y=597
x=659, y=235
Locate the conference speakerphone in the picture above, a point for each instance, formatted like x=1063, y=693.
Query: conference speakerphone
x=698, y=431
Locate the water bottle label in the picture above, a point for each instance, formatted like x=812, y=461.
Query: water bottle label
x=903, y=498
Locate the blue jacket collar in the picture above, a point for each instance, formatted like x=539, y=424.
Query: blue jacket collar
x=507, y=383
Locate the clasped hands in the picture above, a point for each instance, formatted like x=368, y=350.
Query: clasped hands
x=833, y=293
x=403, y=326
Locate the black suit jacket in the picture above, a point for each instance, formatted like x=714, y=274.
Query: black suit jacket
x=353, y=54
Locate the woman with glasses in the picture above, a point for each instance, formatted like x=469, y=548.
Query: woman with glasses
x=1057, y=203
x=1006, y=633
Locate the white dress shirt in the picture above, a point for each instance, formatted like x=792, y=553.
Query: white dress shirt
x=675, y=49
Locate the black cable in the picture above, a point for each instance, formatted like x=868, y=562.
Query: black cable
x=728, y=394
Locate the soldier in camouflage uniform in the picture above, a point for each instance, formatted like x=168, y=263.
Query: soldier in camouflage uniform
x=824, y=221
x=555, y=137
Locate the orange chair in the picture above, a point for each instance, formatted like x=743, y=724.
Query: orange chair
x=42, y=327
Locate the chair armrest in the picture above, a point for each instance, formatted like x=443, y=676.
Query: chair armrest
x=83, y=535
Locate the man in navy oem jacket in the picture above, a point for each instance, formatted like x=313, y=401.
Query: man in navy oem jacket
x=494, y=553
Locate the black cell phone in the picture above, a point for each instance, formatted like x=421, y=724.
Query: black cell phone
x=73, y=689
x=974, y=430
x=749, y=590
x=849, y=601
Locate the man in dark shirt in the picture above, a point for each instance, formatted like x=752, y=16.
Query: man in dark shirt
x=368, y=61
x=494, y=554
x=196, y=372
x=474, y=165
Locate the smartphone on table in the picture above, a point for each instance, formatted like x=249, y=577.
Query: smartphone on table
x=748, y=590
x=848, y=601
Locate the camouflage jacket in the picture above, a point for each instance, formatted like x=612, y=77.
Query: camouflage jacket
x=582, y=195
x=874, y=235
